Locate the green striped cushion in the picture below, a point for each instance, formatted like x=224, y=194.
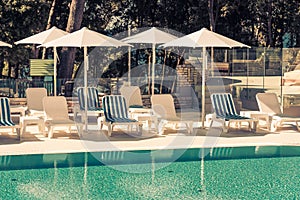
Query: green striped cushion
x=5, y=119
x=115, y=109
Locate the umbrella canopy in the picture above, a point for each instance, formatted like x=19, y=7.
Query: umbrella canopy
x=42, y=38
x=85, y=38
x=204, y=38
x=4, y=44
x=151, y=36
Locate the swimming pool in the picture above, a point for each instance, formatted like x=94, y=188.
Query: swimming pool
x=261, y=172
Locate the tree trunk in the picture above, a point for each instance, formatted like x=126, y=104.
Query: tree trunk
x=149, y=74
x=270, y=38
x=49, y=24
x=163, y=72
x=211, y=15
x=68, y=54
x=212, y=20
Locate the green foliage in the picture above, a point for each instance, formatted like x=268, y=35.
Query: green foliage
x=256, y=23
x=20, y=19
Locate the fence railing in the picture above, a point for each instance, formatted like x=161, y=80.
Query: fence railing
x=17, y=87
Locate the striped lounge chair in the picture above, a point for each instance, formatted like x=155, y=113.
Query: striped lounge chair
x=224, y=112
x=5, y=117
x=93, y=104
x=116, y=113
x=135, y=105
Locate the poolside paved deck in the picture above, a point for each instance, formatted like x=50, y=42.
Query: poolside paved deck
x=34, y=142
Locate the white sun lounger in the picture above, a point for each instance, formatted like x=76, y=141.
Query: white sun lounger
x=164, y=109
x=56, y=114
x=268, y=103
x=34, y=98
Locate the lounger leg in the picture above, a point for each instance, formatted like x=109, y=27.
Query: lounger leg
x=211, y=123
x=238, y=124
x=129, y=128
x=18, y=130
x=139, y=129
x=42, y=127
x=79, y=129
x=254, y=126
x=226, y=128
x=160, y=128
x=149, y=124
x=298, y=127
x=69, y=129
x=100, y=122
x=109, y=127
x=175, y=126
x=250, y=125
x=189, y=127
x=273, y=126
x=46, y=131
x=50, y=133
x=154, y=121
x=218, y=121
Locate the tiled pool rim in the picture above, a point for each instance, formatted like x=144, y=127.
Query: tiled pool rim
x=35, y=161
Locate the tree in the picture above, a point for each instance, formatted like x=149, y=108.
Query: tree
x=49, y=23
x=74, y=24
x=20, y=19
x=254, y=22
x=272, y=19
x=213, y=11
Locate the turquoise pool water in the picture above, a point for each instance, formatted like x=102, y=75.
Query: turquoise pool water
x=225, y=173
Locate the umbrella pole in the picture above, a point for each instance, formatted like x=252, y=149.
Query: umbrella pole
x=85, y=65
x=203, y=86
x=163, y=73
x=129, y=60
x=129, y=66
x=54, y=70
x=149, y=74
x=153, y=65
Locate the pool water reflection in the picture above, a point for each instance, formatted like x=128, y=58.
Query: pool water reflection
x=268, y=172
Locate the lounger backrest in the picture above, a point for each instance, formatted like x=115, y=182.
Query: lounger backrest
x=92, y=98
x=223, y=104
x=132, y=95
x=34, y=98
x=5, y=117
x=163, y=105
x=56, y=108
x=114, y=107
x=268, y=103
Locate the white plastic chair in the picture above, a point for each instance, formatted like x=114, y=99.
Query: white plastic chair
x=56, y=114
x=268, y=103
x=34, y=98
x=164, y=109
